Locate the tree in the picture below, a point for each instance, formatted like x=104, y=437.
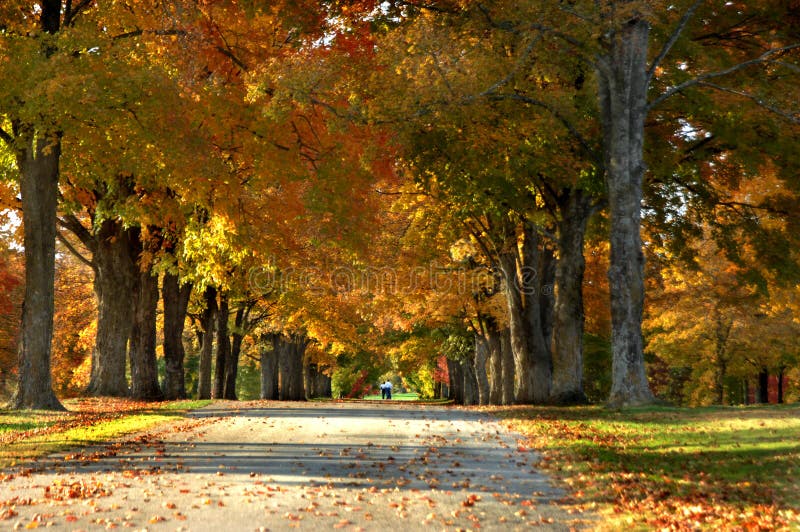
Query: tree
x=36, y=141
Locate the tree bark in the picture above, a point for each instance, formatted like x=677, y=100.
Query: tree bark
x=493, y=342
x=209, y=315
x=232, y=367
x=291, y=351
x=115, y=279
x=479, y=364
x=470, y=381
x=456, y=377
x=269, y=372
x=523, y=363
x=507, y=355
x=763, y=386
x=223, y=347
x=322, y=384
x=537, y=316
x=546, y=289
x=176, y=301
x=622, y=84
x=142, y=349
x=568, y=323
x=38, y=163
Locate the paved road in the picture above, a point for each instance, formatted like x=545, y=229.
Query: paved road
x=286, y=466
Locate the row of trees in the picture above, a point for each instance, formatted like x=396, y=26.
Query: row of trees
x=264, y=164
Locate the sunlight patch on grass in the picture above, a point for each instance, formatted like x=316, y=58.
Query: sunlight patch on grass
x=666, y=467
x=29, y=434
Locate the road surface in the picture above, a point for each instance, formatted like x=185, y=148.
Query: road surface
x=296, y=466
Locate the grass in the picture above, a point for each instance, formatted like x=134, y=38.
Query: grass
x=395, y=397
x=670, y=468
x=407, y=397
x=25, y=435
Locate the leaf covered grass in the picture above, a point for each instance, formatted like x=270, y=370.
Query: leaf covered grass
x=28, y=434
x=673, y=469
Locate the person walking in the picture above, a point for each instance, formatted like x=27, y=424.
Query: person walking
x=383, y=390
x=387, y=386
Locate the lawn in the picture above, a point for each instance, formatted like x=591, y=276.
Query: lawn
x=395, y=397
x=670, y=468
x=28, y=434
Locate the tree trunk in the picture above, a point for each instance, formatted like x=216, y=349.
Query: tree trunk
x=223, y=347
x=547, y=304
x=507, y=356
x=209, y=315
x=142, y=349
x=524, y=383
x=115, y=279
x=38, y=163
x=456, y=377
x=470, y=382
x=479, y=364
x=232, y=367
x=176, y=301
x=536, y=326
x=781, y=372
x=763, y=386
x=721, y=334
x=269, y=372
x=322, y=386
x=290, y=362
x=493, y=342
x=622, y=84
x=568, y=323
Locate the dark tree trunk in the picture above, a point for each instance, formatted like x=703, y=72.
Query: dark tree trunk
x=176, y=301
x=547, y=302
x=456, y=377
x=38, y=163
x=622, y=85
x=115, y=279
x=317, y=383
x=536, y=327
x=470, y=382
x=524, y=383
x=223, y=347
x=763, y=386
x=479, y=363
x=291, y=351
x=209, y=315
x=142, y=349
x=507, y=356
x=568, y=315
x=322, y=384
x=493, y=341
x=722, y=332
x=269, y=371
x=781, y=372
x=232, y=367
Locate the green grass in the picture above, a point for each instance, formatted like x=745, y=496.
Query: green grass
x=395, y=397
x=662, y=467
x=25, y=435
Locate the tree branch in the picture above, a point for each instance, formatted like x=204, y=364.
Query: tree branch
x=140, y=32
x=556, y=113
x=6, y=137
x=792, y=117
x=71, y=12
x=711, y=75
x=77, y=254
x=71, y=223
x=672, y=39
